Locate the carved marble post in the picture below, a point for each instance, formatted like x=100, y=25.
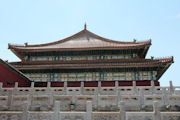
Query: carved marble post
x=74, y=97
x=171, y=87
x=51, y=99
x=82, y=87
x=134, y=87
x=165, y=98
x=48, y=85
x=96, y=99
x=50, y=94
x=89, y=110
x=25, y=112
x=15, y=88
x=65, y=87
x=116, y=85
x=32, y=87
x=30, y=99
x=99, y=87
x=122, y=110
x=97, y=102
x=16, y=85
x=157, y=114
x=10, y=98
x=1, y=85
x=119, y=95
x=57, y=115
x=152, y=86
x=141, y=97
x=117, y=92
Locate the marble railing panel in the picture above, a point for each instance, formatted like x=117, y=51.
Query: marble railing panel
x=170, y=115
x=40, y=116
x=73, y=116
x=105, y=116
x=10, y=115
x=139, y=116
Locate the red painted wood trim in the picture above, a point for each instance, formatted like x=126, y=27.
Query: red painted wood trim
x=74, y=84
x=125, y=83
x=57, y=84
x=40, y=84
x=91, y=84
x=108, y=83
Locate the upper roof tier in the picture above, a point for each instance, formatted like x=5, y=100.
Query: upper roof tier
x=83, y=40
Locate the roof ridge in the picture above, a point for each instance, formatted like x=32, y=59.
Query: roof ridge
x=116, y=41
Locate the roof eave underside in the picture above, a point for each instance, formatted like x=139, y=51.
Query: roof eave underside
x=24, y=49
x=93, y=65
x=135, y=60
x=18, y=52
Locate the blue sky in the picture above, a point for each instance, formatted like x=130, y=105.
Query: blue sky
x=42, y=21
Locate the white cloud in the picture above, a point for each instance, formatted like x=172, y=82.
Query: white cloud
x=178, y=16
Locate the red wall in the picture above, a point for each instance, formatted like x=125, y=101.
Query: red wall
x=7, y=75
x=95, y=83
x=40, y=84
x=146, y=83
x=125, y=83
x=73, y=84
x=91, y=84
x=57, y=84
x=107, y=83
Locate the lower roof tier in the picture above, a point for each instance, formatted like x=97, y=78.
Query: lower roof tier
x=159, y=65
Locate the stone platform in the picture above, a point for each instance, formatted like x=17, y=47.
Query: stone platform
x=90, y=103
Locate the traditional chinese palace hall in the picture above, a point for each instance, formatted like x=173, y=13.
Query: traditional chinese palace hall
x=83, y=57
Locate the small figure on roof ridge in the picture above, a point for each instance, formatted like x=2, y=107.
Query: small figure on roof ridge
x=85, y=26
x=134, y=40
